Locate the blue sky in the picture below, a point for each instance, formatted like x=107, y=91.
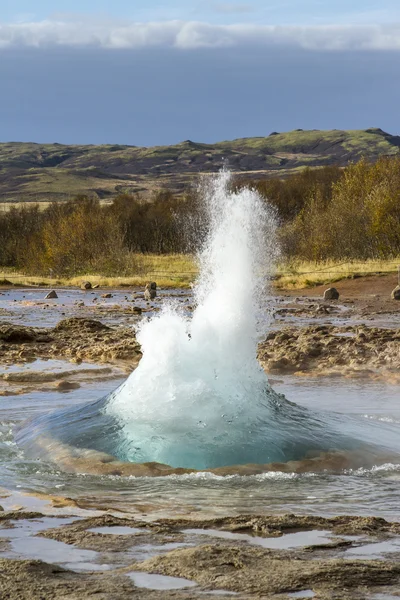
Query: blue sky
x=150, y=72
x=275, y=12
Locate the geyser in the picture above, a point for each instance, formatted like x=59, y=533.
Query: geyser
x=194, y=399
x=199, y=399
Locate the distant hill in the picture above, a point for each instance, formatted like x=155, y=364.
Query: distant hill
x=45, y=172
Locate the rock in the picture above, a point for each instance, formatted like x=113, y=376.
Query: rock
x=96, y=286
x=66, y=386
x=150, y=291
x=51, y=295
x=16, y=334
x=395, y=295
x=106, y=296
x=331, y=294
x=137, y=310
x=86, y=285
x=81, y=325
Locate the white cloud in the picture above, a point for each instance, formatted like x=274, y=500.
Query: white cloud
x=193, y=34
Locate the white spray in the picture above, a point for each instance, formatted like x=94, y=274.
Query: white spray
x=192, y=400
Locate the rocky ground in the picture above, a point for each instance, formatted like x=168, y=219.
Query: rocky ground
x=352, y=351
x=73, y=338
x=356, y=335
x=247, y=556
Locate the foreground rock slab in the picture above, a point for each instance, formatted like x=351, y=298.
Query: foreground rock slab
x=220, y=566
x=326, y=349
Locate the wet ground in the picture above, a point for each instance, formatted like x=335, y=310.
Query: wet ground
x=270, y=557
x=75, y=535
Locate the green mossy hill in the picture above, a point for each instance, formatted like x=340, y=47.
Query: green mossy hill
x=46, y=172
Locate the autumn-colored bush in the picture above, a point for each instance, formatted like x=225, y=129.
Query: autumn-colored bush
x=327, y=213
x=360, y=220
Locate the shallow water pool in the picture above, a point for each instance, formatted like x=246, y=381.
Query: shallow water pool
x=362, y=492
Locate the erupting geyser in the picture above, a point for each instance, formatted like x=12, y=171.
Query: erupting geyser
x=199, y=399
x=195, y=398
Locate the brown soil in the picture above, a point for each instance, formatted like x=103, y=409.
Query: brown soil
x=368, y=295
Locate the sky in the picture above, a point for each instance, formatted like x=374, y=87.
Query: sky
x=151, y=72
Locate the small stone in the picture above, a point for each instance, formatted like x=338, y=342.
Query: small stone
x=86, y=285
x=106, y=296
x=331, y=294
x=50, y=295
x=150, y=291
x=395, y=295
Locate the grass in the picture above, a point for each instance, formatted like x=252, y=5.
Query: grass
x=180, y=270
x=301, y=274
x=173, y=270
x=7, y=206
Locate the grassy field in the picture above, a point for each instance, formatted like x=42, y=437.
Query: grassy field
x=175, y=270
x=300, y=275
x=181, y=270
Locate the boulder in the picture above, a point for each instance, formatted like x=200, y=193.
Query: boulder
x=331, y=294
x=150, y=291
x=51, y=295
x=86, y=285
x=395, y=295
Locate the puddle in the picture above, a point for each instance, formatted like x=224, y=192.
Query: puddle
x=290, y=540
x=116, y=530
x=50, y=366
x=376, y=550
x=25, y=528
x=159, y=582
x=25, y=544
x=17, y=501
x=50, y=551
x=302, y=594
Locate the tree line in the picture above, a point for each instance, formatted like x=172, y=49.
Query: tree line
x=325, y=213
